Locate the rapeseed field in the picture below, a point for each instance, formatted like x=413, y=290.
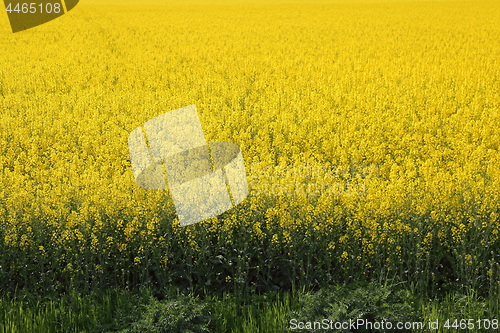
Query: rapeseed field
x=369, y=131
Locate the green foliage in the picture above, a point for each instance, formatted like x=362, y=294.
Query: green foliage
x=371, y=302
x=185, y=314
x=174, y=312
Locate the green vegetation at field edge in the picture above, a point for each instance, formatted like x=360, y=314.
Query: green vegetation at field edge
x=174, y=311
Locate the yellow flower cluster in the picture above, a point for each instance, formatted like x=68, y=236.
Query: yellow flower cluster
x=369, y=130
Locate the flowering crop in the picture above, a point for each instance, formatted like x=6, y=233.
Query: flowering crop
x=411, y=88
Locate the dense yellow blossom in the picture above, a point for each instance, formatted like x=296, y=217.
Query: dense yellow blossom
x=369, y=131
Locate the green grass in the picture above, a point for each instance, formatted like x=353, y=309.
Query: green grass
x=100, y=311
x=174, y=311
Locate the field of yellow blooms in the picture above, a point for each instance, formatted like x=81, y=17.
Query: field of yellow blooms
x=370, y=133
